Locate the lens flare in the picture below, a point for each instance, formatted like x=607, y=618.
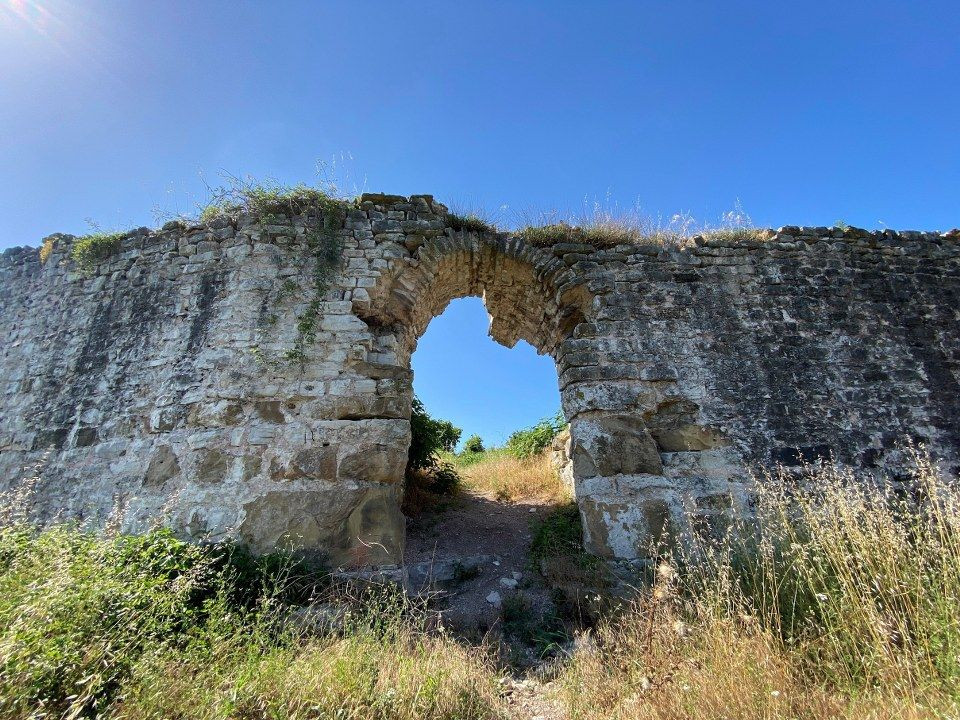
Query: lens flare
x=34, y=16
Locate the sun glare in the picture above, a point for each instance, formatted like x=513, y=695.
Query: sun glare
x=37, y=17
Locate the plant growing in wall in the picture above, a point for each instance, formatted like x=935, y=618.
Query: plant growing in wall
x=89, y=250
x=271, y=203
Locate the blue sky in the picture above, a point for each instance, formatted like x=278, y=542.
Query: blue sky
x=806, y=112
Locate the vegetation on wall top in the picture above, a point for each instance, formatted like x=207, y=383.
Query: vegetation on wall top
x=89, y=250
x=269, y=203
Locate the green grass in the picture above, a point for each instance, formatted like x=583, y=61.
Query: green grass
x=536, y=439
x=90, y=250
x=153, y=627
x=266, y=199
x=844, y=604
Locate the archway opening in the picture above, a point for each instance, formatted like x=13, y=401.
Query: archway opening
x=462, y=375
x=472, y=540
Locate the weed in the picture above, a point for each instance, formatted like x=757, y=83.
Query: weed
x=151, y=627
x=46, y=250
x=839, y=600
x=560, y=533
x=521, y=622
x=606, y=225
x=469, y=223
x=271, y=203
x=89, y=250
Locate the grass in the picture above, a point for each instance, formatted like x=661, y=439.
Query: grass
x=844, y=604
x=500, y=474
x=152, y=627
x=265, y=199
x=606, y=225
x=469, y=222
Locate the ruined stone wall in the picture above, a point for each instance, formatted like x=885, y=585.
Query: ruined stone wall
x=173, y=384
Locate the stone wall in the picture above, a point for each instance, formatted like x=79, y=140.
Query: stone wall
x=161, y=387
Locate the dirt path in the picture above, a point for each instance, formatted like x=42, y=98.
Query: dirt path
x=491, y=540
x=470, y=527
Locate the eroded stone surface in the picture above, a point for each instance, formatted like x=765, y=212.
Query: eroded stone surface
x=162, y=386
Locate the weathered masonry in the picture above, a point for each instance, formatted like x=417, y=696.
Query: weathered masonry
x=192, y=379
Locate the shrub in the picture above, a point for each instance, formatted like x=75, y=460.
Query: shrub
x=89, y=250
x=77, y=612
x=429, y=436
x=473, y=444
x=536, y=439
x=560, y=533
x=153, y=627
x=468, y=223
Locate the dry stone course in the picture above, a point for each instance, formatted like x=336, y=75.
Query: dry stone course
x=160, y=388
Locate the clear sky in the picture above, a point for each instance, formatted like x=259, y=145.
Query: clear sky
x=807, y=112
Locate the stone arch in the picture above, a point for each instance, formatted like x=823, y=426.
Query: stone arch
x=529, y=293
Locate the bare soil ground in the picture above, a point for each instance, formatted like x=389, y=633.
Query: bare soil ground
x=469, y=525
x=474, y=525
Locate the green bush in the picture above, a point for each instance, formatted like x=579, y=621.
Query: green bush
x=91, y=249
x=474, y=444
x=152, y=627
x=78, y=612
x=536, y=439
x=559, y=533
x=429, y=436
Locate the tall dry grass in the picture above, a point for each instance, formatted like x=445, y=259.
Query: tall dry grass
x=507, y=478
x=847, y=604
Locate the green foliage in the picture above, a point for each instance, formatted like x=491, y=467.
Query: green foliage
x=89, y=250
x=265, y=199
x=153, y=627
x=544, y=631
x=560, y=533
x=473, y=444
x=536, y=439
x=78, y=612
x=469, y=223
x=428, y=438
